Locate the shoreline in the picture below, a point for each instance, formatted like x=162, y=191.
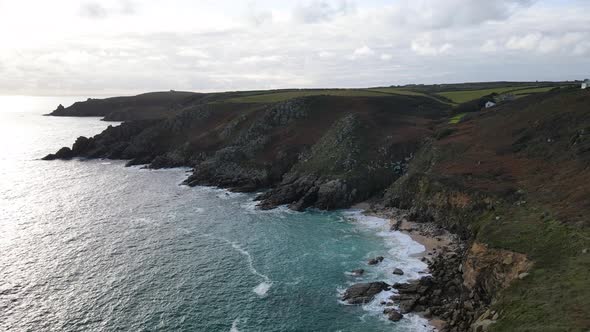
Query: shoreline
x=436, y=241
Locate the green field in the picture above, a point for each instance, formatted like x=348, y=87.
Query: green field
x=465, y=96
x=533, y=90
x=456, y=97
x=468, y=95
x=398, y=91
x=286, y=95
x=271, y=97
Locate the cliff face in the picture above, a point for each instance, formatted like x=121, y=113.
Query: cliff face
x=321, y=151
x=511, y=182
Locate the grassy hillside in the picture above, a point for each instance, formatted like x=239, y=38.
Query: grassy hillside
x=467, y=95
x=513, y=178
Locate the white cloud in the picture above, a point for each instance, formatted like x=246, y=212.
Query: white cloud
x=316, y=11
x=257, y=16
x=489, y=46
x=96, y=10
x=255, y=59
x=385, y=57
x=192, y=52
x=527, y=42
x=325, y=54
x=362, y=52
x=423, y=45
x=455, y=13
x=568, y=43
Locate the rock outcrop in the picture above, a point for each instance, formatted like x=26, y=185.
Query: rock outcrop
x=323, y=152
x=364, y=293
x=153, y=105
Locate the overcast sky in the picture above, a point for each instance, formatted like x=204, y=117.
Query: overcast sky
x=111, y=47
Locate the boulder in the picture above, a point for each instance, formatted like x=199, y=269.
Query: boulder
x=376, y=260
x=406, y=288
x=398, y=272
x=357, y=272
x=63, y=153
x=393, y=315
x=364, y=292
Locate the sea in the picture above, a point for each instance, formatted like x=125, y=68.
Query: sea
x=92, y=245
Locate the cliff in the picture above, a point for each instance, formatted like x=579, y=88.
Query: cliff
x=321, y=151
x=511, y=181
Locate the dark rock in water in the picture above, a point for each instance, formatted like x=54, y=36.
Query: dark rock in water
x=399, y=272
x=358, y=272
x=364, y=292
x=393, y=315
x=408, y=304
x=376, y=260
x=63, y=153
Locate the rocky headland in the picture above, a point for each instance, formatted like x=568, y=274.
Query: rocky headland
x=498, y=199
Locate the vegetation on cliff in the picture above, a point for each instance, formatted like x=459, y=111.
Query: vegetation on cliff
x=511, y=180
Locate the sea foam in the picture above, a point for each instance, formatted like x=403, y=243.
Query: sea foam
x=262, y=288
x=402, y=252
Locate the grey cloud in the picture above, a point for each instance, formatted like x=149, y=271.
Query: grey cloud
x=128, y=7
x=257, y=16
x=438, y=14
x=322, y=10
x=95, y=10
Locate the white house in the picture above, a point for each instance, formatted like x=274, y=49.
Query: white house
x=490, y=104
x=586, y=84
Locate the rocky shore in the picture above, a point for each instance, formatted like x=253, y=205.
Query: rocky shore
x=434, y=296
x=506, y=182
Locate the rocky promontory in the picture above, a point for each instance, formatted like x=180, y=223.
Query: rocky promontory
x=322, y=151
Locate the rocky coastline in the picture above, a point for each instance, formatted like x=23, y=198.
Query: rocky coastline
x=437, y=295
x=475, y=194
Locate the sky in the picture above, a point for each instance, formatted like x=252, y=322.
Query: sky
x=113, y=47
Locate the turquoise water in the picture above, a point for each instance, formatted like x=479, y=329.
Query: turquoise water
x=95, y=246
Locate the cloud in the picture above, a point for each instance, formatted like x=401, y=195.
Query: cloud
x=572, y=43
x=362, y=52
x=96, y=10
x=257, y=16
x=256, y=59
x=455, y=13
x=231, y=45
x=423, y=45
x=93, y=10
x=192, y=52
x=325, y=54
x=489, y=46
x=318, y=11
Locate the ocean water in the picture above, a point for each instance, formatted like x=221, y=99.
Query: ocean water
x=90, y=245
